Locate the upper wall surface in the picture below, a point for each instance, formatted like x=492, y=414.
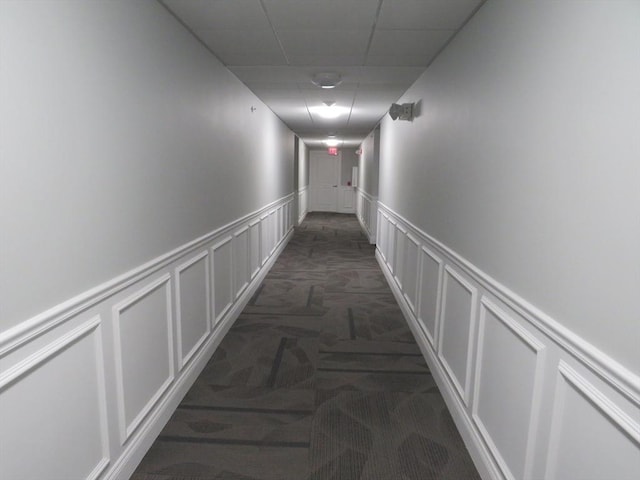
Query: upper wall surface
x=524, y=160
x=121, y=138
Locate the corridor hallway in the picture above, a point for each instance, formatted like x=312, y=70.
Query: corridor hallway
x=319, y=378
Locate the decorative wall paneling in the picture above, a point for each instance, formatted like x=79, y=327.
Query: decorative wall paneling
x=106, y=369
x=346, y=199
x=367, y=213
x=303, y=203
x=193, y=306
x=531, y=399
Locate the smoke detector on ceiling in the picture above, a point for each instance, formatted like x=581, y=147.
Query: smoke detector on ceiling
x=326, y=80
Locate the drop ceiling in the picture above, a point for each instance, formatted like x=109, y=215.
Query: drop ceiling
x=378, y=47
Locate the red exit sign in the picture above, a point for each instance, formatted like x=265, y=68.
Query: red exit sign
x=332, y=151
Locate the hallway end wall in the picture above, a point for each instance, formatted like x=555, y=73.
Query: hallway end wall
x=508, y=230
x=145, y=193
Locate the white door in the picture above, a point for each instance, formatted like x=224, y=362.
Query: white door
x=324, y=178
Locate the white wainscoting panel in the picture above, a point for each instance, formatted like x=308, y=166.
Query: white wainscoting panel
x=391, y=245
x=144, y=370
x=411, y=280
x=303, y=203
x=222, y=255
x=508, y=382
x=53, y=420
x=517, y=419
x=241, y=271
x=591, y=437
x=193, y=306
x=367, y=213
x=382, y=236
x=265, y=238
x=273, y=230
x=86, y=386
x=400, y=239
x=431, y=274
x=255, y=261
x=456, y=329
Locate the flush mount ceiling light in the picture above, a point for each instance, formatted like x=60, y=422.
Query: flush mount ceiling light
x=329, y=110
x=331, y=141
x=326, y=80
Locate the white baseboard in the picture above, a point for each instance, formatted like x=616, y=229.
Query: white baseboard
x=82, y=352
x=523, y=391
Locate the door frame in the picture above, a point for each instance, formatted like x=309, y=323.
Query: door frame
x=313, y=204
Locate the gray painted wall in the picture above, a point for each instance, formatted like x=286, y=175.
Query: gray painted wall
x=303, y=165
x=121, y=139
x=369, y=163
x=525, y=160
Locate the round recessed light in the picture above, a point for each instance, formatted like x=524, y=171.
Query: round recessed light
x=326, y=80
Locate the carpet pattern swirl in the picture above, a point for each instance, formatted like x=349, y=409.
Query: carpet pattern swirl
x=319, y=379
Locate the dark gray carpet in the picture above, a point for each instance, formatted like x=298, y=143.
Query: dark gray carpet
x=319, y=379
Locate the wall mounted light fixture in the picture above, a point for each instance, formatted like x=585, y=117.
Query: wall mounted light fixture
x=402, y=112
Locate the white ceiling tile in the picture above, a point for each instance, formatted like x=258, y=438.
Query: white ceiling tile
x=409, y=43
x=425, y=14
x=402, y=74
x=240, y=41
x=318, y=36
x=389, y=93
x=324, y=42
x=252, y=59
x=320, y=60
x=227, y=14
x=273, y=87
x=323, y=14
x=399, y=60
x=329, y=124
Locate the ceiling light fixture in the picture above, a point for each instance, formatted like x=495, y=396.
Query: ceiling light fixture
x=326, y=80
x=331, y=142
x=329, y=110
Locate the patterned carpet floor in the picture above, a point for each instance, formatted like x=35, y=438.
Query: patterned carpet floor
x=319, y=379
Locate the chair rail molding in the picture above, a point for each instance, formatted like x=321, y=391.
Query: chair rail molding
x=158, y=317
x=492, y=351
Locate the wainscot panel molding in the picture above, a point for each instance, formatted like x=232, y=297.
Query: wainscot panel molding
x=430, y=294
x=346, y=199
x=142, y=374
x=400, y=238
x=531, y=398
x=79, y=406
x=222, y=268
x=121, y=356
x=303, y=203
x=411, y=278
x=591, y=435
x=457, y=329
x=193, y=306
x=367, y=213
x=255, y=242
x=241, y=253
x=508, y=393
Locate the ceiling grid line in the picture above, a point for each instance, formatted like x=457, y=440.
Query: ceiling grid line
x=275, y=33
x=378, y=48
